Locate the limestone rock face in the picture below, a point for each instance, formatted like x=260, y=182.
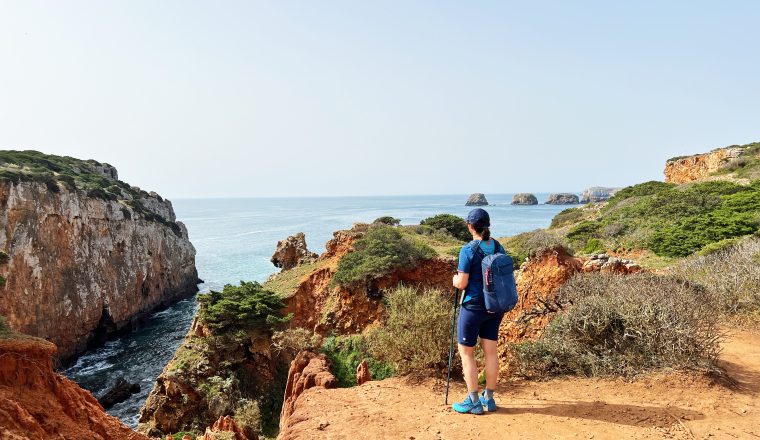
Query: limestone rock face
x=562, y=199
x=308, y=370
x=597, y=194
x=477, y=199
x=37, y=403
x=697, y=167
x=81, y=266
x=292, y=251
x=524, y=199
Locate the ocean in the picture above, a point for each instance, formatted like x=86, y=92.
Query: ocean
x=234, y=240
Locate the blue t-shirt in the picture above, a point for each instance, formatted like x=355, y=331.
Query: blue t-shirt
x=470, y=263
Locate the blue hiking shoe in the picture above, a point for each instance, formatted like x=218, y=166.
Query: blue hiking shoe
x=489, y=404
x=468, y=407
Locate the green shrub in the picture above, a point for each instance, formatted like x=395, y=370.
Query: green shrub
x=528, y=244
x=416, y=332
x=567, y=217
x=297, y=339
x=4, y=258
x=719, y=246
x=2, y=281
x=248, y=417
x=694, y=233
x=5, y=329
x=388, y=220
x=454, y=225
x=584, y=231
x=641, y=189
x=624, y=325
x=731, y=274
x=346, y=353
x=245, y=307
x=593, y=245
x=378, y=253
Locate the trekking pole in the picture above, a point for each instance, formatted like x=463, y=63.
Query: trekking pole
x=451, y=342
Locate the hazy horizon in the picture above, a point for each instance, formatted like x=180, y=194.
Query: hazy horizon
x=251, y=99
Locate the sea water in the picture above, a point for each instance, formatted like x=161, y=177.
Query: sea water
x=234, y=240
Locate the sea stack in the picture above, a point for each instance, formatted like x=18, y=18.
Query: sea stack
x=524, y=199
x=597, y=194
x=562, y=199
x=477, y=199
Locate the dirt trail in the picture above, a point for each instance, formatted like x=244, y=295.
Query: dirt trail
x=677, y=406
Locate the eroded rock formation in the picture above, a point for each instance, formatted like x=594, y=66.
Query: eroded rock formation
x=225, y=424
x=80, y=266
x=700, y=166
x=597, y=194
x=37, y=403
x=308, y=370
x=292, y=251
x=477, y=199
x=363, y=375
x=524, y=199
x=562, y=199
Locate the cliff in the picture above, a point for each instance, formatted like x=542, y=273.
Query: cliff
x=597, y=194
x=737, y=162
x=85, y=253
x=36, y=403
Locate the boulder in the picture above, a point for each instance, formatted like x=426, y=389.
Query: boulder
x=524, y=199
x=597, y=194
x=562, y=199
x=119, y=393
x=308, y=370
x=362, y=373
x=477, y=199
x=292, y=251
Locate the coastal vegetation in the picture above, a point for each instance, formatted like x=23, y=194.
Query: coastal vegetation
x=246, y=307
x=452, y=224
x=380, y=251
x=614, y=325
x=346, y=353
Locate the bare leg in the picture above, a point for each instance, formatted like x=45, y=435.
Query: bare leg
x=469, y=367
x=492, y=363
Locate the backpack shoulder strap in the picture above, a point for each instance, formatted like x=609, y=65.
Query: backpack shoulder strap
x=496, y=246
x=475, y=246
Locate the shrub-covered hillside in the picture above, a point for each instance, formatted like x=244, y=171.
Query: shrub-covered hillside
x=670, y=220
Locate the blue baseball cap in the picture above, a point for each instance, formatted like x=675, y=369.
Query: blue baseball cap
x=479, y=218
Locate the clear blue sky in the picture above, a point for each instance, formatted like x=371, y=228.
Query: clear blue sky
x=227, y=98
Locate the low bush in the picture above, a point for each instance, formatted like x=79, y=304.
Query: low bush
x=388, y=220
x=567, y=217
x=454, y=225
x=528, y=244
x=245, y=307
x=5, y=329
x=293, y=340
x=248, y=417
x=378, y=253
x=416, y=330
x=731, y=274
x=593, y=245
x=346, y=353
x=624, y=325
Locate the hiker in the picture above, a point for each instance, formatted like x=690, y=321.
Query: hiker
x=474, y=320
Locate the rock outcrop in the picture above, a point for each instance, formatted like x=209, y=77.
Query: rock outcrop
x=363, y=375
x=225, y=424
x=308, y=370
x=85, y=263
x=292, y=251
x=605, y=263
x=477, y=199
x=37, y=403
x=597, y=194
x=524, y=199
x=562, y=199
x=119, y=393
x=700, y=166
x=318, y=305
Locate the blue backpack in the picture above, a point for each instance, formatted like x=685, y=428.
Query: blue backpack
x=499, y=286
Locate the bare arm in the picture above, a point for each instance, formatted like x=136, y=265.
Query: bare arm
x=460, y=280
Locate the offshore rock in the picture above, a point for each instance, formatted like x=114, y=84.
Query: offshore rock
x=597, y=194
x=308, y=370
x=524, y=199
x=81, y=266
x=292, y=251
x=37, y=403
x=477, y=199
x=562, y=199
x=119, y=393
x=700, y=166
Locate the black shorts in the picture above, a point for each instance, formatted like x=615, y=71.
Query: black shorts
x=474, y=323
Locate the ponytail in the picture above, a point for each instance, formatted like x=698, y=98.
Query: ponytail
x=484, y=232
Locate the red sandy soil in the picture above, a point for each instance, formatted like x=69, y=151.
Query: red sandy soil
x=664, y=405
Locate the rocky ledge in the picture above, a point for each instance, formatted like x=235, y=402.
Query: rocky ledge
x=477, y=199
x=700, y=166
x=84, y=254
x=562, y=199
x=597, y=194
x=292, y=251
x=524, y=199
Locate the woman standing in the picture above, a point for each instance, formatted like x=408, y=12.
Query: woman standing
x=474, y=320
